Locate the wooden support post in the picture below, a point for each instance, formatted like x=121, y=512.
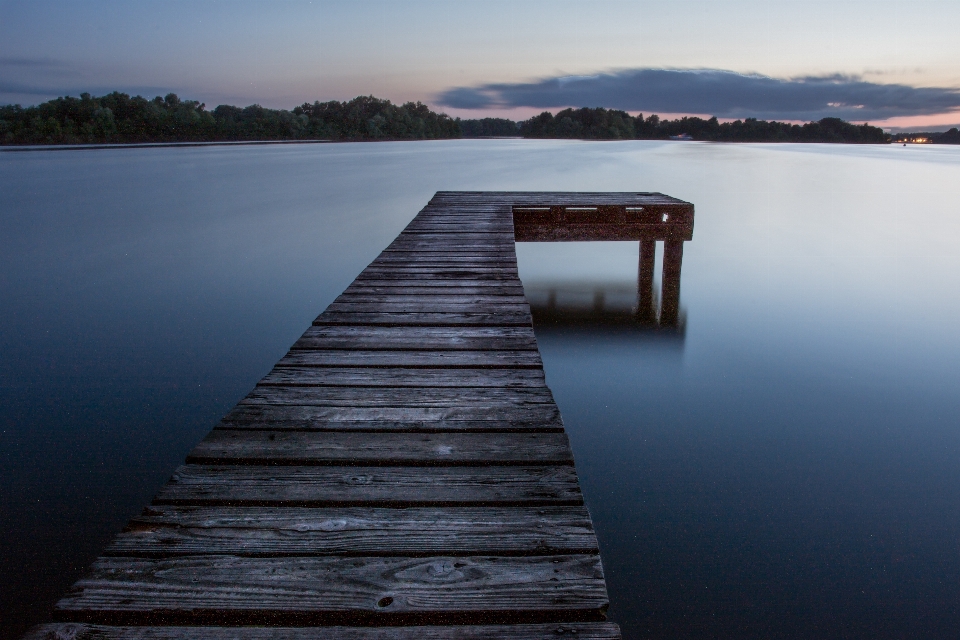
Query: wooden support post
x=670, y=295
x=646, y=313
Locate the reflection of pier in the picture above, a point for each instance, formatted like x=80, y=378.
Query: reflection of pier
x=595, y=307
x=659, y=219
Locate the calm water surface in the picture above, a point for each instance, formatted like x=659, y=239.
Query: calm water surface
x=786, y=465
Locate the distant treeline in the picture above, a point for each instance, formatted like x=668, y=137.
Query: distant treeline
x=489, y=128
x=607, y=124
x=119, y=118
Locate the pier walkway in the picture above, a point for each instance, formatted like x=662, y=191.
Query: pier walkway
x=403, y=471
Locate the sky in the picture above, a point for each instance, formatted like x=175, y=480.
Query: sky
x=892, y=63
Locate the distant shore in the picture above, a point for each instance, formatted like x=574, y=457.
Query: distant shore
x=150, y=145
x=118, y=120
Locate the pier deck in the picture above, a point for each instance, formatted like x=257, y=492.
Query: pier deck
x=402, y=472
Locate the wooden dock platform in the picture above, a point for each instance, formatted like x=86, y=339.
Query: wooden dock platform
x=402, y=472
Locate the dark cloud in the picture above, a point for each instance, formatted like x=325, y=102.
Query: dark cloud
x=710, y=91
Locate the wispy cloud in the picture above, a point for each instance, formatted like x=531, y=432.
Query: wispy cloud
x=725, y=94
x=31, y=63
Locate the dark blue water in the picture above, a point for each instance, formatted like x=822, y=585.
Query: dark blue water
x=785, y=465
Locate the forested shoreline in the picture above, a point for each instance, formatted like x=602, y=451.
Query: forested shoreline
x=120, y=118
x=607, y=124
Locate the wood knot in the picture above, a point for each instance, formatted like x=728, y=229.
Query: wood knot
x=65, y=632
x=384, y=602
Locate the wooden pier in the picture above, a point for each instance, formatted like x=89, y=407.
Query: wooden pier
x=403, y=471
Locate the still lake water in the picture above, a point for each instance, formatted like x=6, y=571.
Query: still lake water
x=786, y=466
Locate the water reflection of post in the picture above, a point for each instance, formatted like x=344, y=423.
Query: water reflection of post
x=670, y=296
x=646, y=313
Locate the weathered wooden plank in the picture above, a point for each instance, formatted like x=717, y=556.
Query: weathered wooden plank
x=499, y=229
x=441, y=252
x=465, y=417
x=450, y=226
x=375, y=590
x=600, y=232
x=165, y=531
x=485, y=215
x=451, y=244
x=438, y=287
x=464, y=199
x=417, y=338
x=460, y=277
x=223, y=446
x=427, y=266
x=393, y=259
x=448, y=238
x=311, y=486
x=490, y=286
x=479, y=240
x=543, y=418
x=464, y=274
x=450, y=359
x=488, y=237
x=392, y=262
x=447, y=215
x=397, y=396
x=495, y=213
x=497, y=239
x=398, y=319
x=471, y=215
x=582, y=630
x=455, y=300
x=403, y=377
x=428, y=306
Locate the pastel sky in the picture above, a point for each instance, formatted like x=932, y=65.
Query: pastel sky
x=895, y=63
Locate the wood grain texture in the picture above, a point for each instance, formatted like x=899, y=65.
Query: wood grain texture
x=582, y=630
x=391, y=258
x=417, y=338
x=411, y=359
x=398, y=319
x=434, y=288
x=388, y=418
x=222, y=446
x=388, y=297
x=166, y=531
x=506, y=253
x=403, y=377
x=457, y=275
x=455, y=228
x=231, y=485
x=455, y=271
x=397, y=396
x=488, y=238
x=385, y=305
x=379, y=590
x=424, y=245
